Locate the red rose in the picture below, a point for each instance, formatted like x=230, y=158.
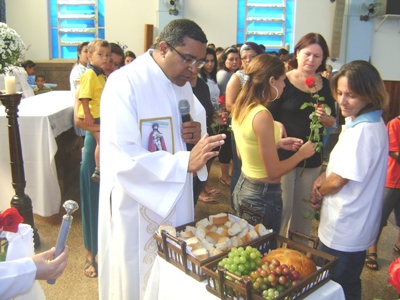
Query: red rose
x=310, y=82
x=10, y=219
x=394, y=272
x=221, y=99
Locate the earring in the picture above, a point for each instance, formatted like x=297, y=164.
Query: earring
x=263, y=95
x=277, y=94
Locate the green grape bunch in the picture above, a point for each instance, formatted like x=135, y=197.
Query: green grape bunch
x=269, y=279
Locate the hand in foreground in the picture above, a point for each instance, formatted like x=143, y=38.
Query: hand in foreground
x=79, y=123
x=323, y=117
x=89, y=120
x=316, y=196
x=201, y=152
x=222, y=118
x=50, y=269
x=191, y=132
x=290, y=144
x=307, y=150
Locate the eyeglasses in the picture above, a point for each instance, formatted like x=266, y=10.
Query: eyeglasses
x=190, y=61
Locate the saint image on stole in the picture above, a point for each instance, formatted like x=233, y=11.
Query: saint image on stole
x=156, y=139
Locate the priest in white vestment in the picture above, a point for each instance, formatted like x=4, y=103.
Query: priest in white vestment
x=141, y=189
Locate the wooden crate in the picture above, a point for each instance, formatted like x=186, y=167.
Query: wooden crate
x=218, y=285
x=173, y=250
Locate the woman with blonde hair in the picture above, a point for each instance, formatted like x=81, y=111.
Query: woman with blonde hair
x=257, y=138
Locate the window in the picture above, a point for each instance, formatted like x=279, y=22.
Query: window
x=73, y=22
x=267, y=22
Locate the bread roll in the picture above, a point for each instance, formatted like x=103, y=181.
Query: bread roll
x=200, y=232
x=261, y=230
x=200, y=253
x=222, y=231
x=223, y=243
x=217, y=251
x=243, y=224
x=236, y=241
x=191, y=228
x=186, y=234
x=235, y=229
x=194, y=243
x=303, y=264
x=219, y=219
x=168, y=228
x=212, y=237
x=204, y=222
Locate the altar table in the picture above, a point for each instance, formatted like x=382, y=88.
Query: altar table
x=168, y=282
x=41, y=119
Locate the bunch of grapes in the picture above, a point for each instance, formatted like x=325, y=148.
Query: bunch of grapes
x=241, y=261
x=272, y=278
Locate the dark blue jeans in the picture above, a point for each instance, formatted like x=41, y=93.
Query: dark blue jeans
x=262, y=197
x=348, y=270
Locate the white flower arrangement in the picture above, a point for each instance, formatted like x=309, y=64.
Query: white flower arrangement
x=11, y=48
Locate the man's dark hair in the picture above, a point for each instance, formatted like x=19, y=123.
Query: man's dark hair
x=28, y=64
x=40, y=76
x=283, y=51
x=178, y=29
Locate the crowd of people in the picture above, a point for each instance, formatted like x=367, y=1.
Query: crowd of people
x=260, y=131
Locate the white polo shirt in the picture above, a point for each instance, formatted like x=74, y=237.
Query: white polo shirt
x=350, y=218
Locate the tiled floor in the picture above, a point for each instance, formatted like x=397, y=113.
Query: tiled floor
x=74, y=285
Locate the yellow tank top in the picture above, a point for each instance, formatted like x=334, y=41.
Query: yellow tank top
x=247, y=143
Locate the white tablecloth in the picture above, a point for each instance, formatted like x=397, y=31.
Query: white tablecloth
x=41, y=119
x=168, y=282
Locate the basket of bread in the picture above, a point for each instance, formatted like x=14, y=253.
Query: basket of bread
x=191, y=246
x=270, y=267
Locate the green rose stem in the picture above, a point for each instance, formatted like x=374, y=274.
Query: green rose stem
x=315, y=124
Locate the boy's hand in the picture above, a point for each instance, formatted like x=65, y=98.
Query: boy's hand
x=89, y=120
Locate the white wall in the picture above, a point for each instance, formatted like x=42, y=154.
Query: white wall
x=125, y=21
x=30, y=20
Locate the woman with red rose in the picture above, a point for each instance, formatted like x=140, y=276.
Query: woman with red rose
x=311, y=53
x=349, y=193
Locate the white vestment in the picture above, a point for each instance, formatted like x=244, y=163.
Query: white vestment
x=140, y=189
x=18, y=272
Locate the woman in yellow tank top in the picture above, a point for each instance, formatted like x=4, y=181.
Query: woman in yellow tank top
x=257, y=139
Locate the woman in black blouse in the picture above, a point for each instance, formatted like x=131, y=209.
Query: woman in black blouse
x=311, y=53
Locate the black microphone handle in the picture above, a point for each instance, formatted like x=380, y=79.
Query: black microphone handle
x=186, y=118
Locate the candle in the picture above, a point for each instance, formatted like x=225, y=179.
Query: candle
x=9, y=82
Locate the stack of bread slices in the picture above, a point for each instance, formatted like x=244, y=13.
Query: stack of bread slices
x=218, y=233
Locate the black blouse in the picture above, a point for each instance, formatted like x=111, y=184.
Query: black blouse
x=296, y=121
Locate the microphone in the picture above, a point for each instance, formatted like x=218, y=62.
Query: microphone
x=184, y=108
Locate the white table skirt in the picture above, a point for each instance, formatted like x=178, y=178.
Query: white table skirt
x=41, y=119
x=168, y=282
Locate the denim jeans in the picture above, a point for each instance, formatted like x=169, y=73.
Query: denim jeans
x=348, y=270
x=262, y=197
